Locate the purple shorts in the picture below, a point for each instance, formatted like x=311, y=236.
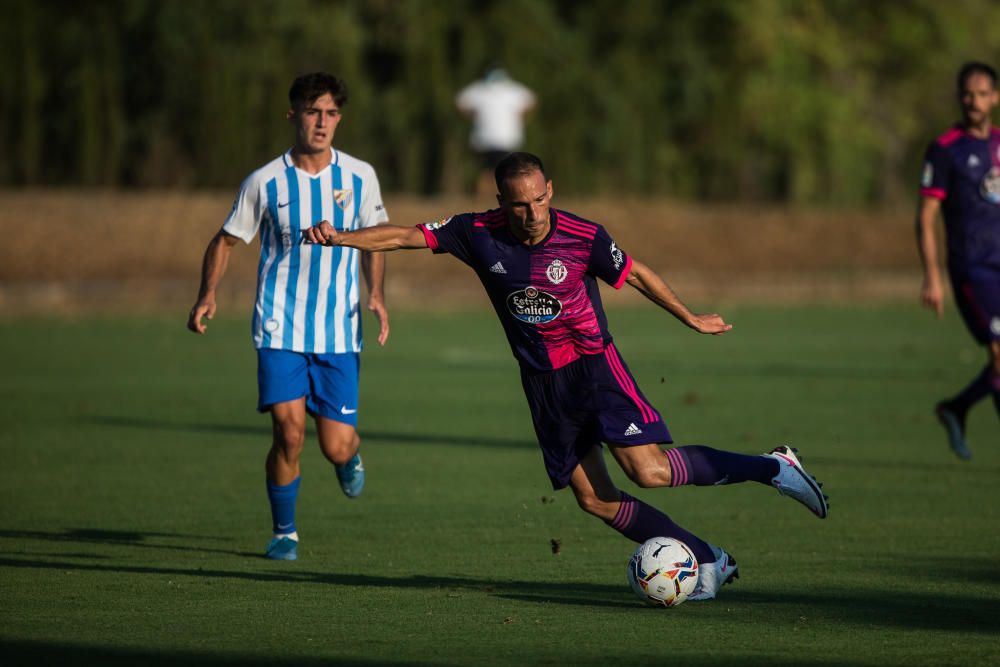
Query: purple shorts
x=978, y=299
x=591, y=400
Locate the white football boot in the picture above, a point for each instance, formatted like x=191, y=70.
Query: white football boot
x=713, y=576
x=793, y=481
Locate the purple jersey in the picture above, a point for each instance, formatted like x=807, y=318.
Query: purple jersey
x=964, y=173
x=546, y=295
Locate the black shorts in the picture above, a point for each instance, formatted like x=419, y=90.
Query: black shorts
x=591, y=400
x=978, y=300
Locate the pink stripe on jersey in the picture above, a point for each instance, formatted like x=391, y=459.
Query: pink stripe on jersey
x=937, y=193
x=950, y=137
x=624, y=276
x=678, y=469
x=432, y=241
x=574, y=227
x=628, y=386
x=491, y=225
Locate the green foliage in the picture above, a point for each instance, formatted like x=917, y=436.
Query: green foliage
x=773, y=100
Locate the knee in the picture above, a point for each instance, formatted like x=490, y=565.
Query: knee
x=290, y=435
x=597, y=505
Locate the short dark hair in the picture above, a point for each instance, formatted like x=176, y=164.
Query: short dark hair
x=308, y=87
x=975, y=67
x=516, y=164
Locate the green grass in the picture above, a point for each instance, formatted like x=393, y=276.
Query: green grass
x=134, y=511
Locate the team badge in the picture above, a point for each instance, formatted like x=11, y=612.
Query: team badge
x=616, y=256
x=431, y=226
x=928, y=176
x=343, y=198
x=556, y=272
x=973, y=161
x=989, y=188
x=533, y=306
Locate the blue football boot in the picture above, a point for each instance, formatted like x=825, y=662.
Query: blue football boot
x=351, y=476
x=282, y=548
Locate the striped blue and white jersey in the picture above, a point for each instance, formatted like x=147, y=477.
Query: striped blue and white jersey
x=307, y=295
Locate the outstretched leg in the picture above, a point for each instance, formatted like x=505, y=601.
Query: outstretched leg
x=648, y=466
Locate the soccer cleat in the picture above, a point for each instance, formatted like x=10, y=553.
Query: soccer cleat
x=713, y=576
x=793, y=481
x=282, y=548
x=351, y=476
x=955, y=426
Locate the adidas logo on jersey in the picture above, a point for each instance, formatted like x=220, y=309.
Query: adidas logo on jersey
x=498, y=268
x=632, y=430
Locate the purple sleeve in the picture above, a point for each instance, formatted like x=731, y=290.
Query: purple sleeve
x=607, y=261
x=936, y=173
x=449, y=235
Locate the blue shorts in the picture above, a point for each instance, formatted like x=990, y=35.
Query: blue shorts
x=328, y=381
x=978, y=300
x=591, y=400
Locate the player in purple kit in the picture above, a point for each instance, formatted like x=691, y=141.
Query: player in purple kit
x=540, y=267
x=961, y=178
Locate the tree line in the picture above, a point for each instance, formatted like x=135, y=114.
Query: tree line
x=798, y=101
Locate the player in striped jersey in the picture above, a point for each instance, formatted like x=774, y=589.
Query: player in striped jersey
x=306, y=321
x=540, y=267
x=961, y=179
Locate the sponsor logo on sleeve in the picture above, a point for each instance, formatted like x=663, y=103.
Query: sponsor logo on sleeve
x=928, y=176
x=431, y=226
x=617, y=256
x=556, y=272
x=533, y=306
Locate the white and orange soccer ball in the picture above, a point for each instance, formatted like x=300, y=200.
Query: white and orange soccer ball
x=663, y=572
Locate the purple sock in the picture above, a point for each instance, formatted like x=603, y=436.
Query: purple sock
x=995, y=382
x=639, y=522
x=704, y=466
x=973, y=393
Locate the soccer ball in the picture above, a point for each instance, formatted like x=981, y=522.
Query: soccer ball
x=663, y=572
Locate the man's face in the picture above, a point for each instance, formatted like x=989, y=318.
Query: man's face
x=525, y=199
x=978, y=98
x=315, y=122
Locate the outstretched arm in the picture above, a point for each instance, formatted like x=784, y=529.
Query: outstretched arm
x=379, y=238
x=213, y=267
x=656, y=290
x=931, y=294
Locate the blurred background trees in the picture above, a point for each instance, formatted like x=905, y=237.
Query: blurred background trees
x=792, y=101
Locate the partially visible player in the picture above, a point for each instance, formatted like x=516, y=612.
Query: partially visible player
x=540, y=267
x=961, y=178
x=306, y=321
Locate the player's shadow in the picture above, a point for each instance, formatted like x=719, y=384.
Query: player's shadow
x=828, y=607
x=145, y=423
x=112, y=537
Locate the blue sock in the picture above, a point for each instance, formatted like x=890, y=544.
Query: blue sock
x=282, y=499
x=704, y=466
x=639, y=522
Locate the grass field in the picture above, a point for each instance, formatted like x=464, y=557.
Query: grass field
x=134, y=512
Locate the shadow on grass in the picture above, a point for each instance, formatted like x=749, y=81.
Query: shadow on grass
x=115, y=537
x=264, y=432
x=850, y=607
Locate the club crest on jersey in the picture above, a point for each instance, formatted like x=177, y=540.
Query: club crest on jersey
x=343, y=198
x=928, y=175
x=533, y=306
x=431, y=226
x=616, y=256
x=556, y=272
x=989, y=188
